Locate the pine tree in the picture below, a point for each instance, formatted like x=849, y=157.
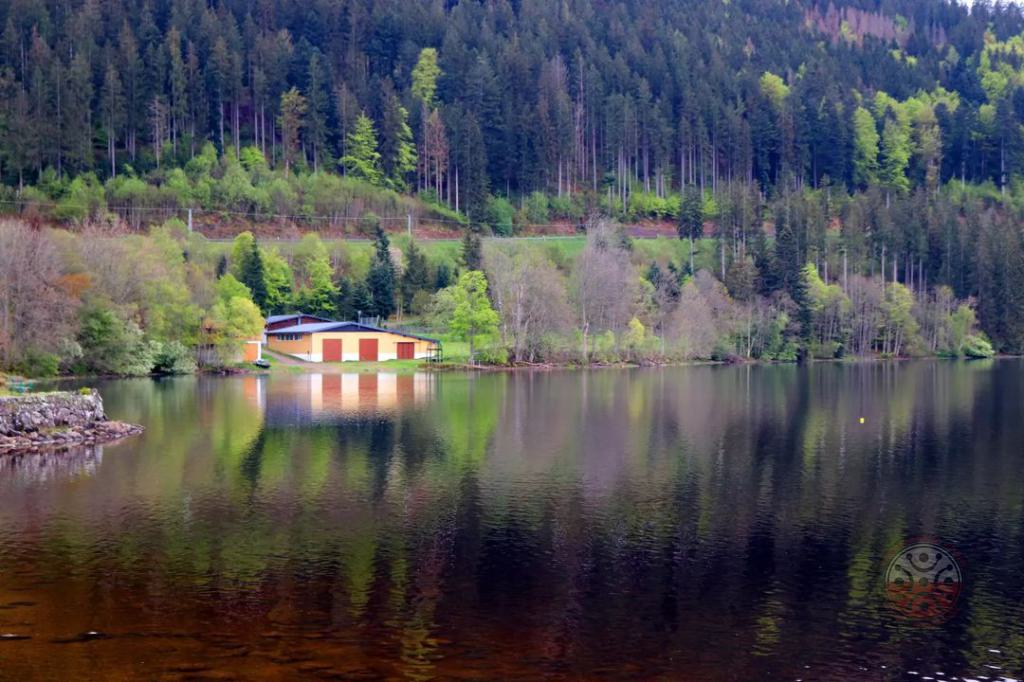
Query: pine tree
x=178, y=86
x=472, y=251
x=398, y=150
x=344, y=300
x=318, y=102
x=362, y=301
x=443, y=276
x=362, y=160
x=291, y=120
x=76, y=135
x=380, y=281
x=787, y=261
x=251, y=273
x=416, y=276
x=113, y=113
x=801, y=294
x=691, y=218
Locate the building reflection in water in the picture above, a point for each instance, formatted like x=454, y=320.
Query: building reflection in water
x=323, y=397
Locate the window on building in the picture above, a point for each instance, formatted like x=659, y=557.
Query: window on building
x=288, y=337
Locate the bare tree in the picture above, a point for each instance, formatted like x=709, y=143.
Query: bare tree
x=866, y=298
x=529, y=294
x=36, y=302
x=605, y=286
x=692, y=328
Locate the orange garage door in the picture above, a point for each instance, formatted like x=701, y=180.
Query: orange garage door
x=368, y=350
x=406, y=351
x=332, y=350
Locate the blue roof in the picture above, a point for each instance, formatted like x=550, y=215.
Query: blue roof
x=314, y=327
x=292, y=316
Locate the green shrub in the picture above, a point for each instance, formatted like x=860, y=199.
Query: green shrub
x=252, y=159
x=500, y=216
x=492, y=355
x=536, y=209
x=567, y=206
x=173, y=357
x=178, y=185
x=976, y=346
x=602, y=348
x=38, y=364
x=110, y=345
x=825, y=351
x=84, y=200
x=650, y=205
x=202, y=163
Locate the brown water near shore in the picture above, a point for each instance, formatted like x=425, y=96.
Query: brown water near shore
x=694, y=523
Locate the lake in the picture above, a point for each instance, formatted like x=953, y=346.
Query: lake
x=693, y=523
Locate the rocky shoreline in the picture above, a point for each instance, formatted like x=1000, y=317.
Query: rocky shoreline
x=39, y=421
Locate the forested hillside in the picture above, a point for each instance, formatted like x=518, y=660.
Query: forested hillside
x=509, y=97
x=873, y=139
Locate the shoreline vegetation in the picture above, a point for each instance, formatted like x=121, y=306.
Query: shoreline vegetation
x=172, y=302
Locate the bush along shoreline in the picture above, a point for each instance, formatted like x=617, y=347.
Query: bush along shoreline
x=96, y=303
x=61, y=419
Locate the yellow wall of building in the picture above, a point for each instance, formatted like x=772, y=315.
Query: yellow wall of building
x=300, y=347
x=387, y=345
x=311, y=346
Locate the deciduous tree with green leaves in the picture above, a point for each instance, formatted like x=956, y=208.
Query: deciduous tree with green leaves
x=865, y=150
x=473, y=319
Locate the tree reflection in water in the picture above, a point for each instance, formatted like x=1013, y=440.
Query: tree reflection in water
x=694, y=523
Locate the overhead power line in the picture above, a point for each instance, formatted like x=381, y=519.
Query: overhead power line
x=256, y=215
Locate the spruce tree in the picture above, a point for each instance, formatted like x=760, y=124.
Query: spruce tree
x=472, y=251
x=362, y=159
x=443, y=276
x=252, y=275
x=317, y=99
x=398, y=150
x=801, y=295
x=362, y=301
x=788, y=262
x=381, y=279
x=416, y=276
x=691, y=218
x=344, y=299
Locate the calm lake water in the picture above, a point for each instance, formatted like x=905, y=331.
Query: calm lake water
x=697, y=523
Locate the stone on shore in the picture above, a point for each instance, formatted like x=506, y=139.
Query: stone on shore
x=47, y=420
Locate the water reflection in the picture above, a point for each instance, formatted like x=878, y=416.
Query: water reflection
x=696, y=523
x=311, y=398
x=20, y=470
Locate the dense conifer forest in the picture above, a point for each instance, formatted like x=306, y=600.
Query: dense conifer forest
x=878, y=141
